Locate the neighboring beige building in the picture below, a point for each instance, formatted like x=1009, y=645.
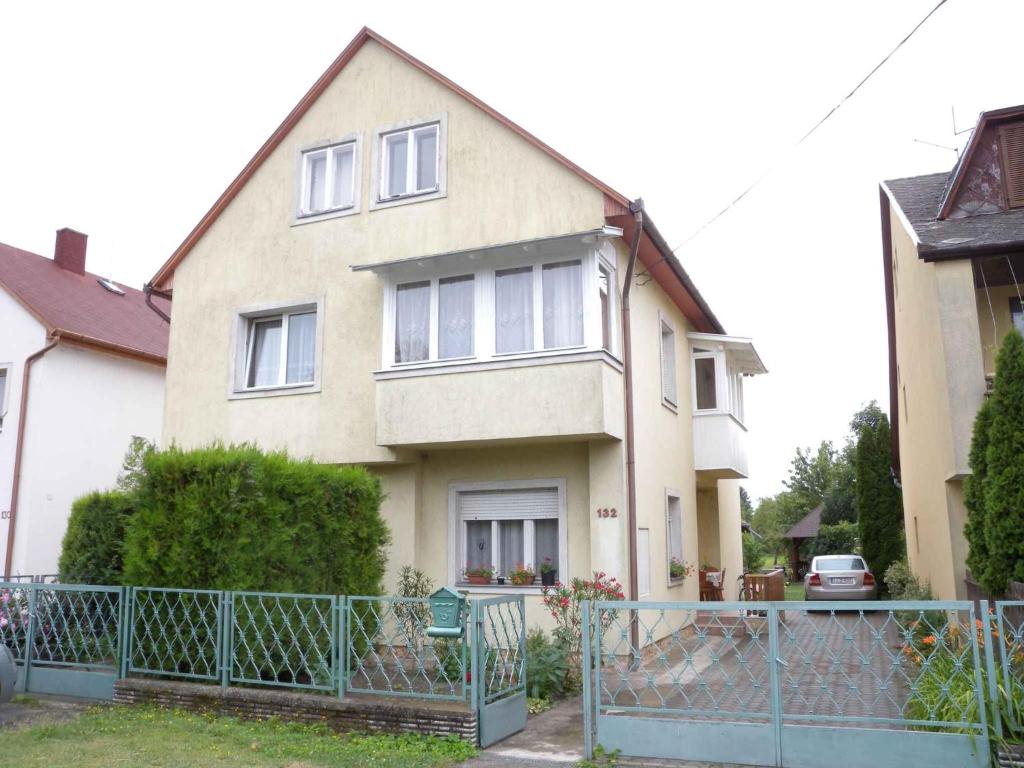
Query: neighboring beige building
x=403, y=278
x=953, y=245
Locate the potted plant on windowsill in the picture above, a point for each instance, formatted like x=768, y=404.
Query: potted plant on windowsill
x=548, y=572
x=679, y=569
x=522, y=575
x=480, y=574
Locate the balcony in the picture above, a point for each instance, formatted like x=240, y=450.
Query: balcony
x=719, y=446
x=564, y=397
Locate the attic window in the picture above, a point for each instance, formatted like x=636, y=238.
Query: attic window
x=1013, y=163
x=111, y=286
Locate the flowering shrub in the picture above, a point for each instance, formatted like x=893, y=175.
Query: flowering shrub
x=679, y=569
x=522, y=575
x=565, y=602
x=480, y=572
x=13, y=621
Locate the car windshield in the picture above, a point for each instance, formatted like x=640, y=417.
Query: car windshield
x=840, y=564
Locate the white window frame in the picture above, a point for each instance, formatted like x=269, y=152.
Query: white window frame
x=457, y=533
x=670, y=494
x=303, y=215
x=728, y=382
x=669, y=399
x=5, y=397
x=603, y=262
x=380, y=134
x=484, y=307
x=246, y=318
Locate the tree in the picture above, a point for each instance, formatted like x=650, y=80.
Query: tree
x=878, y=499
x=838, y=539
x=746, y=508
x=974, y=493
x=1003, y=484
x=840, y=504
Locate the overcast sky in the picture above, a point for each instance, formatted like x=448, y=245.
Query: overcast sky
x=126, y=121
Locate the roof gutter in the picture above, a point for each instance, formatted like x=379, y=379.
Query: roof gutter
x=16, y=483
x=637, y=209
x=148, y=290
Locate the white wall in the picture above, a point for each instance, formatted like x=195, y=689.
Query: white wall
x=20, y=336
x=84, y=407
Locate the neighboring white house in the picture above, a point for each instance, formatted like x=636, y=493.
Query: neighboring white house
x=82, y=363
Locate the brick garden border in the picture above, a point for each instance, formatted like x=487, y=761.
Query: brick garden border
x=353, y=713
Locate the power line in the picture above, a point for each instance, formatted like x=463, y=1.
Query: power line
x=814, y=128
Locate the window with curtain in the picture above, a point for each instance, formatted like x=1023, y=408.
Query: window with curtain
x=281, y=350
x=3, y=395
x=674, y=526
x=455, y=316
x=509, y=527
x=412, y=322
x=328, y=179
x=513, y=310
x=668, y=364
x=410, y=162
x=562, y=285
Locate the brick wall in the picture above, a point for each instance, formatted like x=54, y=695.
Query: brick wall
x=353, y=713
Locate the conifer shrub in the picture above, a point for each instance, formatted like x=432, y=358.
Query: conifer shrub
x=236, y=518
x=879, y=502
x=974, y=492
x=94, y=541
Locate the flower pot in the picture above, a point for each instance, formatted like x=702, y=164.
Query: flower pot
x=481, y=580
x=548, y=579
x=501, y=581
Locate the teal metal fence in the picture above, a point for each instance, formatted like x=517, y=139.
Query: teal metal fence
x=786, y=683
x=1008, y=637
x=174, y=633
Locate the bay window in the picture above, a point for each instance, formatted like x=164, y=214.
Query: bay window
x=503, y=526
x=717, y=371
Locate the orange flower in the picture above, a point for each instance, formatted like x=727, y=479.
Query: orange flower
x=929, y=640
x=977, y=623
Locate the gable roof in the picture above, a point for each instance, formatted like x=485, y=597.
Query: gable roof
x=918, y=198
x=808, y=526
x=77, y=308
x=655, y=254
x=365, y=34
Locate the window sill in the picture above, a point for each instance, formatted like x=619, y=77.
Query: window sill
x=436, y=367
x=309, y=218
x=501, y=589
x=670, y=405
x=416, y=197
x=286, y=389
x=676, y=582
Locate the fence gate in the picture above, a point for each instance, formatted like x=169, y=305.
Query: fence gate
x=66, y=639
x=498, y=666
x=787, y=684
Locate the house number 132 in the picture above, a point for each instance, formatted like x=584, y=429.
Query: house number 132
x=605, y=512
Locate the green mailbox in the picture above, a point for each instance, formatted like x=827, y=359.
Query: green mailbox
x=447, y=607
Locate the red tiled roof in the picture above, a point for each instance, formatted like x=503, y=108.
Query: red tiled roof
x=78, y=308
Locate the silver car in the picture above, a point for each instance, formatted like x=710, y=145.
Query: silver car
x=839, y=577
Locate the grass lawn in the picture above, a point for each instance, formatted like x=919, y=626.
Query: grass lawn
x=156, y=738
x=795, y=591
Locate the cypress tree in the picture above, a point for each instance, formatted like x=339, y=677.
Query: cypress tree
x=974, y=493
x=878, y=499
x=1004, y=465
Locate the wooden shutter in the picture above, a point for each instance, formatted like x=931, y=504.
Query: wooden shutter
x=1013, y=164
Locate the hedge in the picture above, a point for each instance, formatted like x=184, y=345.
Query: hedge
x=236, y=518
x=94, y=540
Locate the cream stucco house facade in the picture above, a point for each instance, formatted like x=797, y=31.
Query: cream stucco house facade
x=953, y=248
x=403, y=278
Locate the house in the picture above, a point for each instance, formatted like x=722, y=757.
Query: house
x=953, y=249
x=404, y=278
x=81, y=372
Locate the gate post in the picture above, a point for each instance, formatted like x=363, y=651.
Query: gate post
x=340, y=655
x=990, y=667
x=588, y=725
x=475, y=641
x=125, y=635
x=30, y=635
x=225, y=638
x=773, y=677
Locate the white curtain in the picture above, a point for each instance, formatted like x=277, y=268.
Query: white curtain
x=426, y=159
x=545, y=534
x=301, y=348
x=397, y=148
x=343, y=188
x=317, y=181
x=455, y=317
x=563, y=304
x=510, y=545
x=513, y=298
x=266, y=353
x=412, y=322
x=478, y=543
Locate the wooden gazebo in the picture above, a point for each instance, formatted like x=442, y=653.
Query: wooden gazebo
x=807, y=528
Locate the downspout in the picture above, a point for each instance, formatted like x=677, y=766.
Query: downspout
x=149, y=290
x=637, y=209
x=16, y=482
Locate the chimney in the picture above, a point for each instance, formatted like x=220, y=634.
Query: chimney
x=69, y=252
